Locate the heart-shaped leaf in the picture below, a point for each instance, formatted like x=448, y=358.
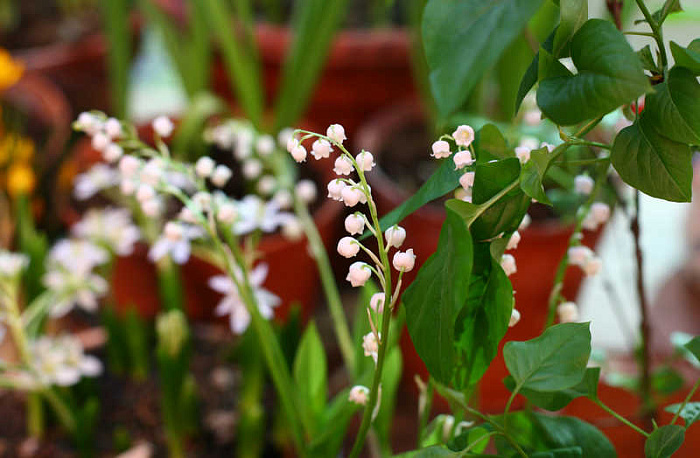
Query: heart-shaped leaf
x=609, y=75
x=533, y=173
x=674, y=107
x=557, y=400
x=464, y=38
x=554, y=361
x=664, y=441
x=687, y=57
x=574, y=14
x=653, y=163
x=572, y=432
x=694, y=347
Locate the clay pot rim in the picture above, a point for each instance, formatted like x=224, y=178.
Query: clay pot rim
x=372, y=135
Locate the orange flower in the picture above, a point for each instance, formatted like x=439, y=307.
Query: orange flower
x=10, y=70
x=20, y=180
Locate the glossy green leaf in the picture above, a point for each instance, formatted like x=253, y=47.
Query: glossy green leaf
x=567, y=452
x=531, y=74
x=554, y=361
x=694, y=347
x=687, y=57
x=674, y=107
x=310, y=372
x=690, y=413
x=507, y=212
x=670, y=6
x=491, y=144
x=664, y=442
x=533, y=173
x=434, y=298
x=609, y=75
x=445, y=179
x=464, y=38
x=482, y=324
x=476, y=438
x=574, y=13
x=571, y=432
x=557, y=400
x=653, y=163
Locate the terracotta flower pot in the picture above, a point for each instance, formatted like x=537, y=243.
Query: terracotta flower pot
x=541, y=248
x=292, y=275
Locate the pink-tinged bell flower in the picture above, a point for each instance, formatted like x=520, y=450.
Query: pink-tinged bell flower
x=358, y=274
x=441, y=149
x=464, y=135
x=404, y=261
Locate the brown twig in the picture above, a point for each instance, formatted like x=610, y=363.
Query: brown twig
x=615, y=8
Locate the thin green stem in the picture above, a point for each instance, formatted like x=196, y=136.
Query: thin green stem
x=593, y=144
x=35, y=415
x=61, y=409
x=685, y=401
x=330, y=288
x=657, y=32
x=621, y=418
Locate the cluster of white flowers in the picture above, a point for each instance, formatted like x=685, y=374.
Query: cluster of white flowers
x=104, y=133
x=71, y=278
x=109, y=227
x=464, y=157
x=58, y=361
x=233, y=305
x=585, y=258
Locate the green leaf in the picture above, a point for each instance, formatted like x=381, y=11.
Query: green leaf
x=117, y=27
x=567, y=452
x=315, y=23
x=491, y=144
x=531, y=74
x=507, y=212
x=694, y=347
x=647, y=60
x=574, y=13
x=445, y=179
x=690, y=413
x=653, y=163
x=463, y=39
x=557, y=400
x=687, y=57
x=532, y=174
x=554, y=361
x=434, y=299
x=673, y=107
x=188, y=137
x=609, y=75
x=484, y=321
x=310, y=372
x=666, y=380
x=664, y=441
x=563, y=432
x=333, y=427
x=670, y=6
x=475, y=437
x=391, y=376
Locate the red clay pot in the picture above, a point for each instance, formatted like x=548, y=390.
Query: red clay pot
x=292, y=271
x=542, y=246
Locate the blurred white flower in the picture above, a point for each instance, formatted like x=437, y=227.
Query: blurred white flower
x=175, y=241
x=254, y=213
x=359, y=395
x=112, y=227
x=60, y=361
x=233, y=305
x=370, y=345
x=163, y=126
x=12, y=264
x=99, y=177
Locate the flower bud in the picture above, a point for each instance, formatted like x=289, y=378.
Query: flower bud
x=351, y=195
x=113, y=128
x=523, y=153
x=173, y=231
x=299, y=153
x=265, y=145
x=462, y=159
x=348, y=247
x=355, y=224
x=336, y=132
x=395, y=236
x=370, y=345
x=127, y=187
x=172, y=331
x=151, y=208
x=359, y=395
x=508, y=264
x=579, y=255
x=529, y=142
x=226, y=213
x=343, y=166
x=292, y=142
x=365, y=161
x=292, y=229
x=112, y=153
x=267, y=185
x=187, y=216
x=404, y=261
x=376, y=302
x=283, y=199
x=513, y=241
x=163, y=126
x=467, y=180
x=252, y=168
x=335, y=189
x=359, y=273
x=583, y=184
x=129, y=165
x=567, y=312
x=321, y=148
x=600, y=212
x=284, y=136
x=306, y=191
x=441, y=149
x=204, y=167
x=144, y=193
x=221, y=176
x=463, y=194
x=532, y=117
x=592, y=266
x=514, y=318
x=203, y=200
x=527, y=219
x=100, y=141
x=464, y=135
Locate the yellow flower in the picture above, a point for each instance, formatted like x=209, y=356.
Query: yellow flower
x=15, y=148
x=10, y=70
x=20, y=180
